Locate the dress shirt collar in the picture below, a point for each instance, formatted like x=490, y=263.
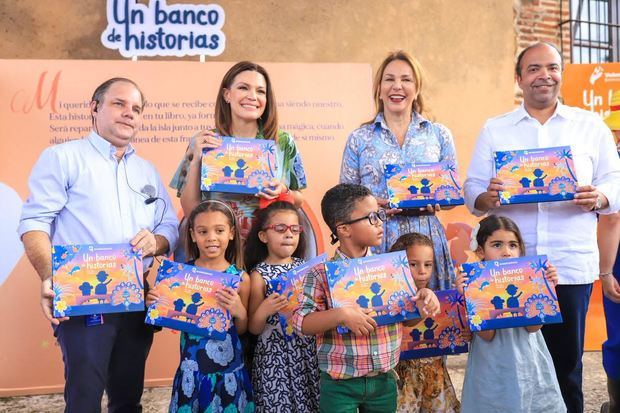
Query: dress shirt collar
x=339, y=255
x=417, y=120
x=560, y=110
x=104, y=147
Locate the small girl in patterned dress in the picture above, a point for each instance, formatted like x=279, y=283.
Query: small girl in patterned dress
x=212, y=376
x=424, y=384
x=285, y=373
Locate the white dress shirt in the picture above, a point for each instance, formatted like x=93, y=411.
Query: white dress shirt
x=562, y=230
x=80, y=194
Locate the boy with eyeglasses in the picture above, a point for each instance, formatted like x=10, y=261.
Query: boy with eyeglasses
x=357, y=366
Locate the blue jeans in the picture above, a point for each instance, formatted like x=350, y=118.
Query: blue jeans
x=566, y=340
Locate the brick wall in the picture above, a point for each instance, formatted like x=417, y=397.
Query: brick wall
x=539, y=20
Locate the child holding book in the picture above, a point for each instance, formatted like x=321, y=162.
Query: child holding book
x=424, y=384
x=508, y=370
x=356, y=366
x=212, y=375
x=285, y=374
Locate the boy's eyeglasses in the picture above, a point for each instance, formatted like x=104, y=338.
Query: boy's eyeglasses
x=374, y=218
x=282, y=228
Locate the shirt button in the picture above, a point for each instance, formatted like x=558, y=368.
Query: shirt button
x=374, y=353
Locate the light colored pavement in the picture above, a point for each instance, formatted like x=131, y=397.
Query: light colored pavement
x=156, y=400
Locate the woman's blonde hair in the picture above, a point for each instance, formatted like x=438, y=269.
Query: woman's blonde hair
x=418, y=102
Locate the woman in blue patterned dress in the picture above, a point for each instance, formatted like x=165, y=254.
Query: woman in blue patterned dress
x=400, y=134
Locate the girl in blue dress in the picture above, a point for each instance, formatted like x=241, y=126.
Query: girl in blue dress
x=508, y=370
x=212, y=376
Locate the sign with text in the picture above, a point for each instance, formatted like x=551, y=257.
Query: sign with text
x=164, y=30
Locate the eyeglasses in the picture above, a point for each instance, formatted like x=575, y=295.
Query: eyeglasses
x=374, y=218
x=282, y=228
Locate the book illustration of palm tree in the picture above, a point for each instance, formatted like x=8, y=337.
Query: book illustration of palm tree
x=566, y=154
x=457, y=300
x=402, y=263
x=268, y=149
x=450, y=168
x=541, y=266
x=134, y=257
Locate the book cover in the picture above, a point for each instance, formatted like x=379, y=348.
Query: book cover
x=187, y=300
x=415, y=186
x=96, y=279
x=536, y=175
x=241, y=166
x=510, y=293
x=290, y=284
x=439, y=335
x=380, y=282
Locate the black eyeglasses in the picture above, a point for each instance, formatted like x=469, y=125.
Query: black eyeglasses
x=374, y=218
x=282, y=228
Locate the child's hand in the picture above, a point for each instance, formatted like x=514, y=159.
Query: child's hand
x=273, y=304
x=151, y=297
x=427, y=302
x=230, y=300
x=466, y=334
x=552, y=274
x=358, y=321
x=459, y=282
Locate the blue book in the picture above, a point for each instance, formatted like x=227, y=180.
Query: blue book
x=382, y=283
x=96, y=279
x=536, y=175
x=290, y=284
x=510, y=293
x=240, y=166
x=187, y=300
x=420, y=184
x=439, y=335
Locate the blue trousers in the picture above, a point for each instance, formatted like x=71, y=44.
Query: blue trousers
x=611, y=347
x=108, y=357
x=566, y=340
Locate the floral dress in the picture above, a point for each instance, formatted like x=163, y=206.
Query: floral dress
x=424, y=386
x=285, y=371
x=290, y=171
x=370, y=147
x=211, y=376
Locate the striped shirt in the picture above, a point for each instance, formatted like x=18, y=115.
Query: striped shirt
x=347, y=355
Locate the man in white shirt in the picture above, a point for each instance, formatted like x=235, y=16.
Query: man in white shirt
x=565, y=231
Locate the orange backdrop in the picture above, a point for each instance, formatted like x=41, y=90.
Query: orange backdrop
x=590, y=86
x=44, y=102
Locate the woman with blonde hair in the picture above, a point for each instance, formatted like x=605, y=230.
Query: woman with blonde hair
x=399, y=133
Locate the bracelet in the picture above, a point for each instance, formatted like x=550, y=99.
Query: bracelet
x=604, y=274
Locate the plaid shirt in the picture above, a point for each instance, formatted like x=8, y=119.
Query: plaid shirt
x=344, y=356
